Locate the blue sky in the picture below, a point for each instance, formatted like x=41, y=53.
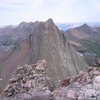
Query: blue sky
x=15, y=11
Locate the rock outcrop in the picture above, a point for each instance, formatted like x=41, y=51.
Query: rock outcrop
x=85, y=86
x=29, y=82
x=49, y=42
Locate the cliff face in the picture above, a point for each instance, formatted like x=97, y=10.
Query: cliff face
x=49, y=43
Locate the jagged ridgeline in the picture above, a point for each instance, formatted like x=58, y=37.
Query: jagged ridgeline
x=40, y=40
x=49, y=43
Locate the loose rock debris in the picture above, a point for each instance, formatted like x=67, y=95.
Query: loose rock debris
x=31, y=82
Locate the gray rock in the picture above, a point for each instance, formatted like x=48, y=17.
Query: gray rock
x=89, y=93
x=89, y=98
x=26, y=96
x=49, y=42
x=72, y=94
x=80, y=98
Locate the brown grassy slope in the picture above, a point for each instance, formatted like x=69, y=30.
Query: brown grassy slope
x=11, y=61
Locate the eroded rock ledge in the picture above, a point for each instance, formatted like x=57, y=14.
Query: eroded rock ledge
x=31, y=82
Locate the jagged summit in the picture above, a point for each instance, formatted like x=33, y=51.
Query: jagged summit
x=49, y=21
x=47, y=25
x=85, y=25
x=49, y=42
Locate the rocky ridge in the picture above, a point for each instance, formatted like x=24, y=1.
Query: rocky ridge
x=81, y=32
x=42, y=40
x=49, y=43
x=31, y=82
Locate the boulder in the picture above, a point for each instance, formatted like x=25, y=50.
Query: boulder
x=65, y=82
x=14, y=79
x=90, y=93
x=98, y=61
x=96, y=82
x=30, y=84
x=72, y=94
x=26, y=96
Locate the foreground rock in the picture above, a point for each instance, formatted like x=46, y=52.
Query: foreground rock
x=85, y=86
x=31, y=82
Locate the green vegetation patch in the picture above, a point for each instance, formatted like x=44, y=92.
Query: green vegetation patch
x=91, y=46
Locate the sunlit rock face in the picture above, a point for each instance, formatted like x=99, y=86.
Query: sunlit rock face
x=49, y=43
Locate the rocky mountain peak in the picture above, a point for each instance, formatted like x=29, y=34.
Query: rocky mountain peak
x=85, y=27
x=49, y=42
x=22, y=24
x=49, y=21
x=49, y=24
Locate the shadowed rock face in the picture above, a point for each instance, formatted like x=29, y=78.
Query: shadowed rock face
x=49, y=43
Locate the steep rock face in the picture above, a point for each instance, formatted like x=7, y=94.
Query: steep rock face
x=49, y=43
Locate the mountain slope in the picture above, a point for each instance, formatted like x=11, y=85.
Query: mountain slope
x=12, y=58
x=85, y=39
x=81, y=32
x=47, y=42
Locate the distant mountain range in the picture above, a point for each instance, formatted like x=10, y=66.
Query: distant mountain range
x=65, y=26
x=85, y=39
x=82, y=32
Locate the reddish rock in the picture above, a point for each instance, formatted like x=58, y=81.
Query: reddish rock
x=84, y=76
x=98, y=61
x=13, y=79
x=65, y=82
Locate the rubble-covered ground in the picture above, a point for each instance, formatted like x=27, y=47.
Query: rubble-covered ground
x=31, y=82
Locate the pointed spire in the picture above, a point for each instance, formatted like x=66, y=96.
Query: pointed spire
x=49, y=21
